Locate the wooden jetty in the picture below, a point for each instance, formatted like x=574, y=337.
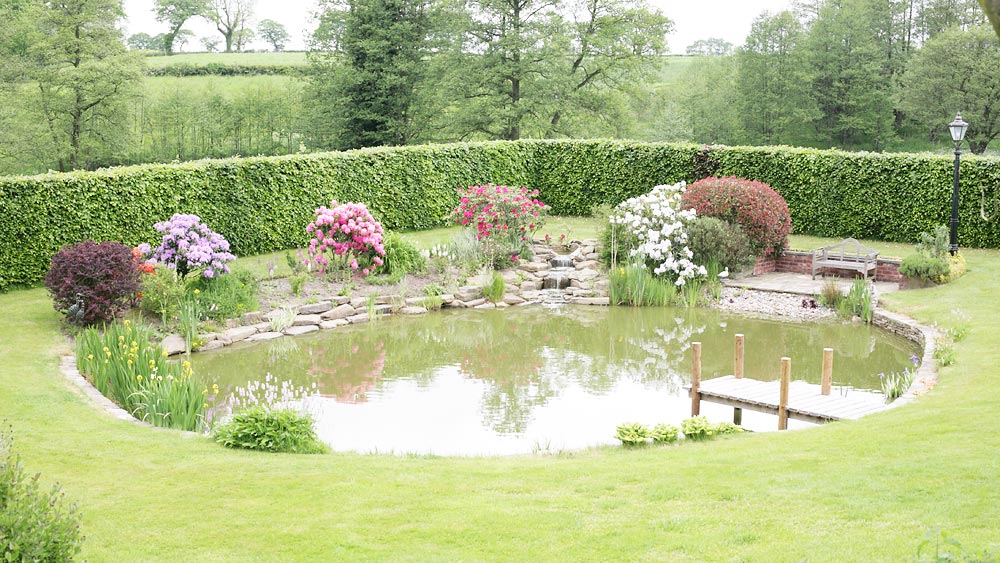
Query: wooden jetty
x=785, y=398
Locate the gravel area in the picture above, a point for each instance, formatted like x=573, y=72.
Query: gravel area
x=772, y=304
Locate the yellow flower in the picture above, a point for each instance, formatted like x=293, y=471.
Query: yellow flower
x=90, y=356
x=105, y=361
x=134, y=344
x=130, y=362
x=204, y=406
x=138, y=378
x=196, y=292
x=121, y=338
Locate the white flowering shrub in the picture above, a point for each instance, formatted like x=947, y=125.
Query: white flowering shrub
x=658, y=226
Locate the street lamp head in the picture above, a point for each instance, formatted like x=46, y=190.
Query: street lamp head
x=958, y=128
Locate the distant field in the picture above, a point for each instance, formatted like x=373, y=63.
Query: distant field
x=225, y=86
x=674, y=66
x=284, y=58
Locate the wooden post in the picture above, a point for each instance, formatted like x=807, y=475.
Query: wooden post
x=738, y=357
x=695, y=378
x=786, y=375
x=827, y=378
x=738, y=374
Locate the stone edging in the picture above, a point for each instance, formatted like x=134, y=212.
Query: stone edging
x=926, y=375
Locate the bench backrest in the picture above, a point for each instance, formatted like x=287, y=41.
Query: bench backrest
x=848, y=249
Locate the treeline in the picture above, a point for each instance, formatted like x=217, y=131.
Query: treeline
x=854, y=74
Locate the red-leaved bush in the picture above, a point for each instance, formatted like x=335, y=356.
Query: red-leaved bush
x=104, y=277
x=754, y=206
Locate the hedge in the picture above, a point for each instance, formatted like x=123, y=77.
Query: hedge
x=262, y=204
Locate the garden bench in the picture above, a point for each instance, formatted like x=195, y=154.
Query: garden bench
x=849, y=254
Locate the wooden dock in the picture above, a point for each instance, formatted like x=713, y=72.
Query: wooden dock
x=805, y=401
x=785, y=398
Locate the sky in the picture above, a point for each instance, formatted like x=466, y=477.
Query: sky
x=701, y=19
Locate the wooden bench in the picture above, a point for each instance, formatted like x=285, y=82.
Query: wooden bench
x=848, y=254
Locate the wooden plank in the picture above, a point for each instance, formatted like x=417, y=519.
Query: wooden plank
x=786, y=374
x=695, y=378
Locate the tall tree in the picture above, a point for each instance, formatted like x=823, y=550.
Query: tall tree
x=957, y=70
x=175, y=13
x=84, y=75
x=992, y=10
x=535, y=62
x=936, y=16
x=274, y=33
x=853, y=73
x=231, y=18
x=713, y=47
x=773, y=81
x=369, y=58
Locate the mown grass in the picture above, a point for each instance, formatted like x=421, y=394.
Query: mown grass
x=852, y=491
x=227, y=87
x=284, y=58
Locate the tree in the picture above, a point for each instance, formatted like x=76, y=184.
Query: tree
x=369, y=60
x=957, y=70
x=936, y=16
x=242, y=38
x=851, y=63
x=274, y=33
x=710, y=101
x=211, y=45
x=231, y=18
x=992, y=10
x=84, y=76
x=713, y=46
x=176, y=13
x=536, y=63
x=140, y=42
x=772, y=81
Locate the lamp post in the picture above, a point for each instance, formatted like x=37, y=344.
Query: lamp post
x=957, y=129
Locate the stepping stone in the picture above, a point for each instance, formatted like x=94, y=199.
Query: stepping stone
x=306, y=320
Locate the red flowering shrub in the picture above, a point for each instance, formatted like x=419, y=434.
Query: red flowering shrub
x=754, y=206
x=103, y=277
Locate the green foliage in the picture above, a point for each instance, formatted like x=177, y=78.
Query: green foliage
x=229, y=296
x=857, y=302
x=401, y=258
x=162, y=292
x=697, y=428
x=939, y=547
x=944, y=350
x=270, y=430
x=714, y=240
x=923, y=267
x=936, y=243
x=494, y=290
x=126, y=367
x=35, y=525
x=665, y=434
x=298, y=281
x=632, y=433
x=829, y=193
x=636, y=286
x=725, y=427
x=830, y=294
x=896, y=384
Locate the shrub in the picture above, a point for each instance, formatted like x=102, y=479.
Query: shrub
x=503, y=218
x=697, y=428
x=665, y=434
x=126, y=367
x=92, y=282
x=401, y=258
x=227, y=297
x=495, y=288
x=188, y=245
x=634, y=285
x=922, y=267
x=859, y=301
x=754, y=206
x=35, y=525
x=348, y=233
x=632, y=433
x=270, y=430
x=714, y=240
x=726, y=427
x=162, y=292
x=658, y=227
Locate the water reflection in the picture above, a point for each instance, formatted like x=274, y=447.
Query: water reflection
x=532, y=378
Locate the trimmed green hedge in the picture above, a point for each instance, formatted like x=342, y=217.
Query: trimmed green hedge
x=263, y=204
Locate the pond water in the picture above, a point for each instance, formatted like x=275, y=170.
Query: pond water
x=531, y=379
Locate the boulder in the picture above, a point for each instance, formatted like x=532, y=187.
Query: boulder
x=512, y=299
x=339, y=312
x=301, y=329
x=592, y=264
x=239, y=333
x=306, y=320
x=333, y=323
x=316, y=308
x=357, y=319
x=252, y=318
x=534, y=266
x=468, y=293
x=261, y=336
x=211, y=345
x=530, y=286
x=584, y=274
x=173, y=344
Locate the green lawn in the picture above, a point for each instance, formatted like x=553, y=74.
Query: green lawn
x=851, y=491
x=284, y=58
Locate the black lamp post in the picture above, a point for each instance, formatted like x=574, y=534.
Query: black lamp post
x=957, y=129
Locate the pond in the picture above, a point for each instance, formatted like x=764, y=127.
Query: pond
x=530, y=379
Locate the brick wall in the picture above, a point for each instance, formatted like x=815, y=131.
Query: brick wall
x=797, y=262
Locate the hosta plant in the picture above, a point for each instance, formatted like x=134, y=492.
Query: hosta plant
x=632, y=433
x=697, y=428
x=665, y=434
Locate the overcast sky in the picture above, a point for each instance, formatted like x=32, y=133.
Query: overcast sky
x=700, y=19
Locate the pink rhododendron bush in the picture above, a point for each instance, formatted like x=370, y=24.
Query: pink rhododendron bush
x=504, y=219
x=346, y=236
